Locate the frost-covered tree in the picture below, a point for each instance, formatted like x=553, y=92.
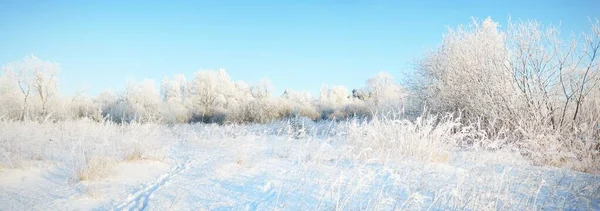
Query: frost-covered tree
x=525, y=84
x=10, y=102
x=254, y=103
x=143, y=100
x=174, y=103
x=113, y=107
x=82, y=106
x=334, y=97
x=171, y=91
x=332, y=101
x=210, y=91
x=36, y=81
x=262, y=90
x=184, y=88
x=294, y=103
x=360, y=94
x=385, y=91
x=467, y=71
x=244, y=92
x=381, y=95
x=554, y=76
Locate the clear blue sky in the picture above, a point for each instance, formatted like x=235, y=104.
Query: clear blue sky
x=296, y=44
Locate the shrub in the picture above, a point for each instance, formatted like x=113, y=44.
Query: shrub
x=428, y=138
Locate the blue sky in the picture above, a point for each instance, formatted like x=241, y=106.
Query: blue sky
x=298, y=45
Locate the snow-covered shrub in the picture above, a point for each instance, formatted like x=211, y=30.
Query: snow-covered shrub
x=332, y=101
x=578, y=148
x=428, y=138
x=294, y=103
x=87, y=148
x=382, y=94
x=19, y=144
x=297, y=126
x=140, y=102
x=115, y=107
x=92, y=167
x=142, y=141
x=255, y=111
x=355, y=109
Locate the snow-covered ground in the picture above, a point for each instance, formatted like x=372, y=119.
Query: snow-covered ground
x=266, y=167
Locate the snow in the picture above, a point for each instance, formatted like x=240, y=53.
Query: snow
x=262, y=167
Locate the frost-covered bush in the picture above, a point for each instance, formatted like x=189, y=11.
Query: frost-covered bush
x=255, y=111
x=428, y=138
x=294, y=104
x=466, y=73
x=524, y=84
x=87, y=148
x=332, y=100
x=382, y=94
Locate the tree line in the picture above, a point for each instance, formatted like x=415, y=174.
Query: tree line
x=29, y=91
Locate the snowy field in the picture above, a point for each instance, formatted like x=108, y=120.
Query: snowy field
x=288, y=165
x=518, y=129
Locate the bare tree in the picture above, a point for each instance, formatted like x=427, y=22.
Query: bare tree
x=554, y=76
x=34, y=76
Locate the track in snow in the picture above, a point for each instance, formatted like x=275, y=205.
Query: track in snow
x=269, y=193
x=139, y=200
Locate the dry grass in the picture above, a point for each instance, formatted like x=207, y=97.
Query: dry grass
x=93, y=168
x=134, y=152
x=89, y=149
x=351, y=165
x=427, y=139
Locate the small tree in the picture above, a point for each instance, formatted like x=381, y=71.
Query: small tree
x=37, y=77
